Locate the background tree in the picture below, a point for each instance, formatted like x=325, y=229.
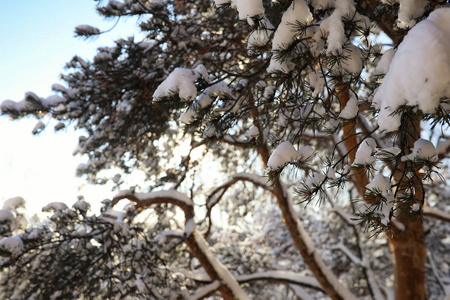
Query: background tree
x=252, y=88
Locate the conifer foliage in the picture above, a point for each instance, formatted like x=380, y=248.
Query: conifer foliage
x=245, y=117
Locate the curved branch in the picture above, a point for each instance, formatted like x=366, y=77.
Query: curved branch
x=229, y=287
x=333, y=288
x=222, y=189
x=302, y=241
x=285, y=277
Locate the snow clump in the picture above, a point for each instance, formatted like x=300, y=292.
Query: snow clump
x=246, y=8
x=13, y=245
x=364, y=154
x=298, y=12
x=14, y=203
x=424, y=150
x=380, y=184
x=181, y=82
x=350, y=110
x=419, y=74
x=285, y=153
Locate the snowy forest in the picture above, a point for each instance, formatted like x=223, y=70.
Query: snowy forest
x=290, y=149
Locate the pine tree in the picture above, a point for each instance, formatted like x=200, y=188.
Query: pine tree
x=319, y=103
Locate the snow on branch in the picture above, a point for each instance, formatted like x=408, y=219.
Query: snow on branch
x=229, y=287
x=181, y=82
x=348, y=253
x=287, y=277
x=217, y=194
x=143, y=200
x=86, y=31
x=436, y=213
x=282, y=276
x=257, y=180
x=409, y=81
x=304, y=244
x=205, y=291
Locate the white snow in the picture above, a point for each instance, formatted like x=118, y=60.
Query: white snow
x=392, y=150
x=163, y=236
x=385, y=61
x=173, y=194
x=423, y=149
x=82, y=205
x=202, y=292
x=249, y=8
x=364, y=154
x=415, y=207
x=351, y=62
x=349, y=254
x=14, y=203
x=6, y=216
x=284, y=153
x=381, y=184
x=55, y=206
x=350, y=110
x=300, y=292
x=86, y=29
x=269, y=91
x=57, y=87
x=321, y=4
x=443, y=147
x=410, y=9
x=298, y=12
x=38, y=127
x=253, y=132
x=260, y=36
x=223, y=273
x=419, y=73
x=35, y=233
x=256, y=179
x=316, y=81
x=205, y=99
x=54, y=100
x=189, y=227
x=14, y=245
x=281, y=275
x=333, y=27
x=181, y=82
x=306, y=152
x=315, y=180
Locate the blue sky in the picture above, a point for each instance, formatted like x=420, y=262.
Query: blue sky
x=37, y=38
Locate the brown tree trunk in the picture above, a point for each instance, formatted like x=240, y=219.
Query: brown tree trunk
x=408, y=245
x=408, y=249
x=359, y=179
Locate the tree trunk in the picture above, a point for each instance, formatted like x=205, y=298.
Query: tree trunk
x=408, y=245
x=408, y=249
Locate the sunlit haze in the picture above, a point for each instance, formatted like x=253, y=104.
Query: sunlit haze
x=37, y=39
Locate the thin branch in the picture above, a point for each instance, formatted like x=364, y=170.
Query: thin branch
x=229, y=287
x=436, y=213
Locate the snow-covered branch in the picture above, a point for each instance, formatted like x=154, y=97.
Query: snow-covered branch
x=303, y=242
x=229, y=287
x=205, y=291
x=348, y=253
x=286, y=277
x=436, y=213
x=257, y=180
